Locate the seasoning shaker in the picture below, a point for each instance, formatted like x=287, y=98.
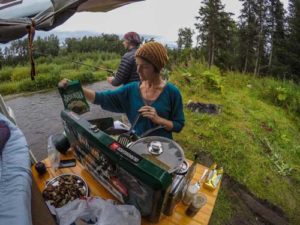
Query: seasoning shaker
x=193, y=189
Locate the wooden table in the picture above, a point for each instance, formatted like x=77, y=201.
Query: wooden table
x=96, y=189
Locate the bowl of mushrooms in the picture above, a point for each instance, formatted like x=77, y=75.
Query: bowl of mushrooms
x=64, y=188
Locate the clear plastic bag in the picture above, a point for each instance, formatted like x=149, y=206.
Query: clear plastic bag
x=53, y=154
x=97, y=211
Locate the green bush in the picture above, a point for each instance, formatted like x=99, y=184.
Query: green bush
x=7, y=88
x=20, y=73
x=212, y=80
x=69, y=74
x=286, y=95
x=27, y=85
x=197, y=68
x=110, y=64
x=85, y=77
x=47, y=81
x=5, y=73
x=100, y=75
x=56, y=71
x=61, y=59
x=42, y=81
x=45, y=68
x=68, y=66
x=89, y=65
x=44, y=59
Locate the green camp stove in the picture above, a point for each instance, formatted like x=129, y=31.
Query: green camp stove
x=130, y=177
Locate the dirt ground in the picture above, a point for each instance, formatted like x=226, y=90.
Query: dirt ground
x=249, y=210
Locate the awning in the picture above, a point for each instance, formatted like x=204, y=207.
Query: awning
x=17, y=16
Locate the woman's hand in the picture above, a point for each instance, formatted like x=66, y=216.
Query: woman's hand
x=109, y=79
x=150, y=112
x=89, y=93
x=63, y=83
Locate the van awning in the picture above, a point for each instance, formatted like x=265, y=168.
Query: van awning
x=17, y=16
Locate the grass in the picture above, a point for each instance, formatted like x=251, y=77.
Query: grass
x=51, y=70
x=254, y=138
x=223, y=210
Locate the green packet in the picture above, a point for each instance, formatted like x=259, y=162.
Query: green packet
x=73, y=97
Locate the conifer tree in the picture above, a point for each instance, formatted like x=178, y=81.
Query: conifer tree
x=247, y=35
x=227, y=56
x=185, y=43
x=212, y=24
x=253, y=32
x=294, y=38
x=260, y=11
x=1, y=58
x=185, y=36
x=277, y=64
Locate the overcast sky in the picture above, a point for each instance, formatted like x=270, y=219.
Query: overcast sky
x=152, y=17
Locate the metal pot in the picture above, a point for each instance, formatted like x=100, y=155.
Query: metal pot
x=161, y=151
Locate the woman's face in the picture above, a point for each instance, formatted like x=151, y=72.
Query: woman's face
x=145, y=69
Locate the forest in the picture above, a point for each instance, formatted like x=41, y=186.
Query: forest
x=263, y=41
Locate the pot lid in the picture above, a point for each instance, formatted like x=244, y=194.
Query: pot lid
x=161, y=151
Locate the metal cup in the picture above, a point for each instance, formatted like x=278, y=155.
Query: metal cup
x=197, y=203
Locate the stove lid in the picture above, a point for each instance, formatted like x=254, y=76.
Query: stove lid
x=161, y=151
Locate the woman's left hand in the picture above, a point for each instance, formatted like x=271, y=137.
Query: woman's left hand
x=109, y=79
x=150, y=112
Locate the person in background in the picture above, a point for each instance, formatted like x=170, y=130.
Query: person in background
x=152, y=100
x=127, y=69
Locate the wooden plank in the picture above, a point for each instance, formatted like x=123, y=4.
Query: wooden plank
x=96, y=189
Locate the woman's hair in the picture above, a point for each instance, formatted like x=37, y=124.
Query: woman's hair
x=154, y=53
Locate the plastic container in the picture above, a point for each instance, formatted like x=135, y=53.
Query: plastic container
x=53, y=154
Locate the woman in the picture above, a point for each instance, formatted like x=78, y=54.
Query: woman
x=156, y=101
x=127, y=69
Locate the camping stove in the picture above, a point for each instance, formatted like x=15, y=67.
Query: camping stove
x=141, y=175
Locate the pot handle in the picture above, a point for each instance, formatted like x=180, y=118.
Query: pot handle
x=151, y=130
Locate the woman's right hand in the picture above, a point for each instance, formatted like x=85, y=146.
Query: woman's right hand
x=63, y=83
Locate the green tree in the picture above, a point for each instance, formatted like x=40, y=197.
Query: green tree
x=214, y=26
x=185, y=38
x=260, y=11
x=247, y=35
x=104, y=42
x=294, y=38
x=47, y=46
x=227, y=56
x=1, y=59
x=277, y=64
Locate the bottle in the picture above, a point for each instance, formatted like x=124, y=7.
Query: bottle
x=192, y=169
x=53, y=154
x=190, y=193
x=190, y=189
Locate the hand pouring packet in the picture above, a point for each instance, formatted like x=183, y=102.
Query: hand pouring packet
x=73, y=97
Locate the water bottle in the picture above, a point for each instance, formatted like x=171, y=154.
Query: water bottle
x=53, y=154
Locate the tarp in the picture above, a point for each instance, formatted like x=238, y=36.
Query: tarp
x=16, y=16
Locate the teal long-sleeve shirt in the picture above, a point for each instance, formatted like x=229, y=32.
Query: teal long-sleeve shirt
x=128, y=99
